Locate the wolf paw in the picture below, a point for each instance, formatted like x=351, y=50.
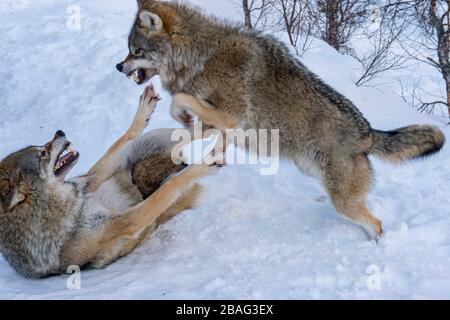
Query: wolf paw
x=180, y=114
x=148, y=102
x=186, y=119
x=183, y=117
x=216, y=158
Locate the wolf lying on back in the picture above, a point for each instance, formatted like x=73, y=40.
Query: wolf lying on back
x=48, y=224
x=234, y=78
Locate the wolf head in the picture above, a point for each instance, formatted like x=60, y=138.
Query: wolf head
x=160, y=38
x=26, y=173
x=146, y=41
x=31, y=206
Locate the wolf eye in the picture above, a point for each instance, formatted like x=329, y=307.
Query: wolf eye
x=43, y=153
x=138, y=52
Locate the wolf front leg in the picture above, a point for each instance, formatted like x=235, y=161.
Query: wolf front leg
x=125, y=231
x=113, y=158
x=183, y=105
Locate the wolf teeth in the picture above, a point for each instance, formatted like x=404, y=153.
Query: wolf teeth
x=135, y=75
x=60, y=162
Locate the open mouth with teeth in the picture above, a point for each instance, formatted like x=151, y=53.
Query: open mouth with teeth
x=139, y=76
x=66, y=159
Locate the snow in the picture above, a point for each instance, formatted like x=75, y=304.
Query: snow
x=253, y=236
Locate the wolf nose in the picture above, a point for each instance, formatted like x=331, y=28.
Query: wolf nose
x=119, y=67
x=60, y=134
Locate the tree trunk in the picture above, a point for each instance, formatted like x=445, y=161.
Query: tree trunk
x=247, y=14
x=332, y=26
x=448, y=57
x=448, y=96
x=443, y=43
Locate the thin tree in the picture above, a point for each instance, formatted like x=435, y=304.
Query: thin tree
x=381, y=32
x=296, y=18
x=339, y=20
x=256, y=13
x=428, y=41
x=439, y=23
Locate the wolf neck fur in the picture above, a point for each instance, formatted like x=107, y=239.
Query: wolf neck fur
x=186, y=59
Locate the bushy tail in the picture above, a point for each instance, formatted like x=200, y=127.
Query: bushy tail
x=407, y=143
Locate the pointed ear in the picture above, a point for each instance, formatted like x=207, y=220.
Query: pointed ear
x=142, y=3
x=150, y=21
x=17, y=197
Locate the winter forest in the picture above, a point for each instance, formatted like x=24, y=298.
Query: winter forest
x=383, y=36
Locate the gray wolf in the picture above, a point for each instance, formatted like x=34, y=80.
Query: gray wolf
x=48, y=223
x=235, y=78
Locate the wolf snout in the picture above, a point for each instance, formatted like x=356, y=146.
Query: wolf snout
x=119, y=67
x=59, y=134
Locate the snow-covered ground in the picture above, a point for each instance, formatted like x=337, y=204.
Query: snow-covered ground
x=253, y=236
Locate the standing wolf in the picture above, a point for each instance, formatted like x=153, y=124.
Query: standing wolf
x=48, y=224
x=234, y=78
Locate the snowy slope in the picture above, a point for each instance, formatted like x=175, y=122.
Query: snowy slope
x=253, y=236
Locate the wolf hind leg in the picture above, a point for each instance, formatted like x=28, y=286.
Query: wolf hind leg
x=120, y=246
x=124, y=244
x=121, y=234
x=347, y=181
